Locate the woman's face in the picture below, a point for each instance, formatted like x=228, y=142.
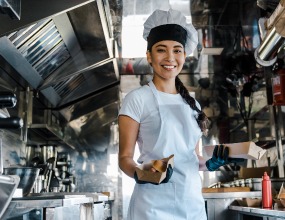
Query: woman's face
x=167, y=58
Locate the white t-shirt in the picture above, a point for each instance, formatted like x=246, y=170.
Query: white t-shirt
x=140, y=104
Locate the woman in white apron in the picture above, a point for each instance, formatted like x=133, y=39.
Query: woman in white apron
x=164, y=120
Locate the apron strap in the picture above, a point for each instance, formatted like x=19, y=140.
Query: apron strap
x=154, y=91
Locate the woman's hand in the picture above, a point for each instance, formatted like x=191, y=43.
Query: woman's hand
x=169, y=172
x=220, y=158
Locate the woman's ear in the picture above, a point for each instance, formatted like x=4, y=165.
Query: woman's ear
x=148, y=57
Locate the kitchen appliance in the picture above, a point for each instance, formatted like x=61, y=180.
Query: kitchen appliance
x=28, y=176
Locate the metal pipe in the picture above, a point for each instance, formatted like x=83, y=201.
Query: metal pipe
x=1, y=155
x=279, y=148
x=265, y=54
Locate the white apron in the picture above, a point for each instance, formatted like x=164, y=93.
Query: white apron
x=180, y=198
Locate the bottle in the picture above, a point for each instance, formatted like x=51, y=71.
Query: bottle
x=266, y=191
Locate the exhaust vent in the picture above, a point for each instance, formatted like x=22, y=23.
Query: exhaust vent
x=11, y=7
x=42, y=46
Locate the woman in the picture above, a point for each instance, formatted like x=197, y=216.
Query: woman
x=164, y=119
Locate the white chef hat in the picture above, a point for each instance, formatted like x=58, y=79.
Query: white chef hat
x=170, y=25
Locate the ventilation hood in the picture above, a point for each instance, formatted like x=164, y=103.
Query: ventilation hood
x=67, y=58
x=11, y=7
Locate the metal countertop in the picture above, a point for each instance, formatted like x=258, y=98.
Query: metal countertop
x=34, y=201
x=52, y=201
x=276, y=212
x=226, y=195
x=20, y=206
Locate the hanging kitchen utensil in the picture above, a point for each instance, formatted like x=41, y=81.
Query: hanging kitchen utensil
x=54, y=183
x=35, y=161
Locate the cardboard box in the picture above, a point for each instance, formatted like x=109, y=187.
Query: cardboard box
x=153, y=177
x=280, y=200
x=281, y=194
x=246, y=150
x=225, y=189
x=250, y=202
x=279, y=203
x=253, y=172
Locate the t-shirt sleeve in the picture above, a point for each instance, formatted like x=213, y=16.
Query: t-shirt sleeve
x=132, y=106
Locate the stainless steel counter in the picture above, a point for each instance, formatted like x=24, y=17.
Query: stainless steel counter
x=276, y=212
x=217, y=203
x=20, y=206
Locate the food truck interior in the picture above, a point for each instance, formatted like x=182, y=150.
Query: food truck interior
x=65, y=67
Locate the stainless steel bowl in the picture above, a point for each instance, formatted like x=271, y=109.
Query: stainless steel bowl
x=28, y=176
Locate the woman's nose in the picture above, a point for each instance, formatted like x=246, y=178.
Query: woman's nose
x=169, y=57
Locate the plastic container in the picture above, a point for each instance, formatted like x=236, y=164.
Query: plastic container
x=266, y=191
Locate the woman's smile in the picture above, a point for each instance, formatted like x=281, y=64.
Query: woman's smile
x=168, y=67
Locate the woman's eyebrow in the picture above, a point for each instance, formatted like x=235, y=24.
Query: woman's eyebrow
x=162, y=45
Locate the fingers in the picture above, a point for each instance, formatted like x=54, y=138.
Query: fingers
x=215, y=152
x=226, y=153
x=221, y=151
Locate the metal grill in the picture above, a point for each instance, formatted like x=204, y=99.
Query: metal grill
x=42, y=46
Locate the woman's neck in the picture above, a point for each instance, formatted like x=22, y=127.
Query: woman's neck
x=167, y=86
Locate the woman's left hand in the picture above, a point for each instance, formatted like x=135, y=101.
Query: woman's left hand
x=220, y=158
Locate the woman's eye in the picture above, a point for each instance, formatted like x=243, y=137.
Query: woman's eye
x=177, y=51
x=160, y=50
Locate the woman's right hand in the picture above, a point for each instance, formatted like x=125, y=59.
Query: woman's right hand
x=169, y=172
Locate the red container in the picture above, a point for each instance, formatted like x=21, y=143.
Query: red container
x=266, y=191
x=278, y=88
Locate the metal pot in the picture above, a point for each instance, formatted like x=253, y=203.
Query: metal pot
x=28, y=176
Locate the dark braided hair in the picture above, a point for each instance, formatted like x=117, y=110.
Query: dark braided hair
x=202, y=119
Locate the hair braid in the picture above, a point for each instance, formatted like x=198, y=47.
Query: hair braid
x=202, y=119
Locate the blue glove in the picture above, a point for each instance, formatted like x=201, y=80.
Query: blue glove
x=220, y=158
x=169, y=172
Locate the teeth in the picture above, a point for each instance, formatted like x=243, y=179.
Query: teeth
x=169, y=67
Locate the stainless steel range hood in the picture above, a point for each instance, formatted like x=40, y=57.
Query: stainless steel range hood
x=62, y=54
x=11, y=7
x=68, y=59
